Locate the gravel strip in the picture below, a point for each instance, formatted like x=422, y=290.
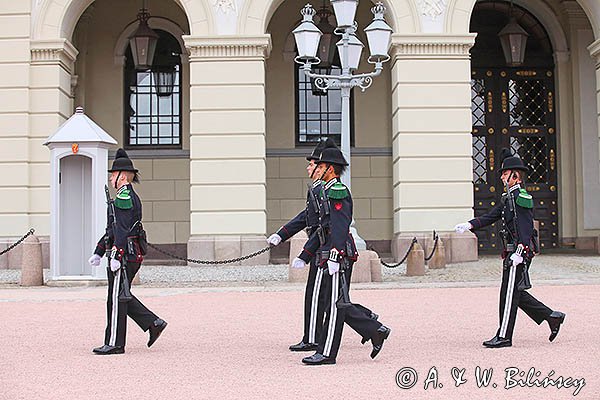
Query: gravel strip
x=556, y=268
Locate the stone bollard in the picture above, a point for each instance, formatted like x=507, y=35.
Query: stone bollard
x=136, y=279
x=32, y=273
x=438, y=260
x=361, y=271
x=376, y=270
x=415, y=263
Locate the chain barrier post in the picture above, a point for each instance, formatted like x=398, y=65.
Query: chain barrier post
x=32, y=272
x=437, y=258
x=415, y=264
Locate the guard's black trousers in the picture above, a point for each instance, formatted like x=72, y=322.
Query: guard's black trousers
x=511, y=299
x=117, y=312
x=314, y=304
x=355, y=315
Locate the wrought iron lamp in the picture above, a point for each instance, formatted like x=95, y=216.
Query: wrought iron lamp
x=143, y=41
x=513, y=39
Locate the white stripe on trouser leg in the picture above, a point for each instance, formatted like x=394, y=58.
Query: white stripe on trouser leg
x=312, y=326
x=114, y=315
x=508, y=301
x=335, y=280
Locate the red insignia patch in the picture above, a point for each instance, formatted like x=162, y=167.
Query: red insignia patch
x=338, y=206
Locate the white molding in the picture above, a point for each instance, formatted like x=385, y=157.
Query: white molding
x=228, y=47
x=432, y=46
x=54, y=51
x=594, y=50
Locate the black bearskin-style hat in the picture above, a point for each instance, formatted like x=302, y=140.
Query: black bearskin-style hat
x=122, y=162
x=323, y=144
x=332, y=156
x=510, y=161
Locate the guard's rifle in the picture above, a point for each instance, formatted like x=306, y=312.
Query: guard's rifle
x=525, y=282
x=124, y=292
x=344, y=300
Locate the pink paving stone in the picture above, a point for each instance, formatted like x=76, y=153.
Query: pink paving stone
x=232, y=344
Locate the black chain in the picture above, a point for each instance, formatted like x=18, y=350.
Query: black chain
x=414, y=241
x=18, y=242
x=435, y=243
x=207, y=262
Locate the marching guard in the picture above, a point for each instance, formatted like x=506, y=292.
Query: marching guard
x=308, y=219
x=124, y=244
x=520, y=245
x=336, y=252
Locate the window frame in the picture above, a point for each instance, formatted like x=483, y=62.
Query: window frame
x=126, y=105
x=304, y=144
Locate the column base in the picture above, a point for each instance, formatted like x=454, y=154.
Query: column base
x=227, y=247
x=460, y=247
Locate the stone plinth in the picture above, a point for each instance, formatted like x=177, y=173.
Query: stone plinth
x=32, y=273
x=415, y=263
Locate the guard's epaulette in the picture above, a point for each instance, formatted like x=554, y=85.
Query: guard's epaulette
x=123, y=200
x=524, y=199
x=338, y=191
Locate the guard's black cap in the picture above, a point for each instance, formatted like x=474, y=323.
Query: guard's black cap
x=332, y=156
x=122, y=162
x=323, y=144
x=510, y=161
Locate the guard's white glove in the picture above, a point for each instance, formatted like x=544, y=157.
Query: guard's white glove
x=298, y=263
x=462, y=228
x=114, y=265
x=95, y=260
x=517, y=256
x=333, y=267
x=274, y=239
x=516, y=259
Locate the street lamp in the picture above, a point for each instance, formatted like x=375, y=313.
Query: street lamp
x=378, y=33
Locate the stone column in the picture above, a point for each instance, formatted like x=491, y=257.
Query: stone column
x=431, y=144
x=227, y=146
x=14, y=123
x=51, y=104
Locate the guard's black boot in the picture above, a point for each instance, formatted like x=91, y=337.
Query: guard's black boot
x=497, y=342
x=303, y=347
x=155, y=330
x=318, y=359
x=377, y=340
x=374, y=317
x=554, y=321
x=106, y=350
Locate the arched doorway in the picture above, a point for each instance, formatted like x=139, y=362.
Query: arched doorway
x=513, y=107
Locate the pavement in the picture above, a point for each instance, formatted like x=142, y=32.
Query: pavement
x=228, y=338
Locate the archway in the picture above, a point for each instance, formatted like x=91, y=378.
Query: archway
x=57, y=19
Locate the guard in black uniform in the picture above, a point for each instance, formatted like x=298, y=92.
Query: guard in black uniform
x=121, y=243
x=337, y=253
x=308, y=219
x=520, y=246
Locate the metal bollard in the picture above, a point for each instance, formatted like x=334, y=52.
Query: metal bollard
x=438, y=260
x=415, y=263
x=32, y=272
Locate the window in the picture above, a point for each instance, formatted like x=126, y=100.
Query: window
x=319, y=113
x=153, y=98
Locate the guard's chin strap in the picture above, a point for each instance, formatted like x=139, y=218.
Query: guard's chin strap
x=312, y=174
x=117, y=180
x=324, y=172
